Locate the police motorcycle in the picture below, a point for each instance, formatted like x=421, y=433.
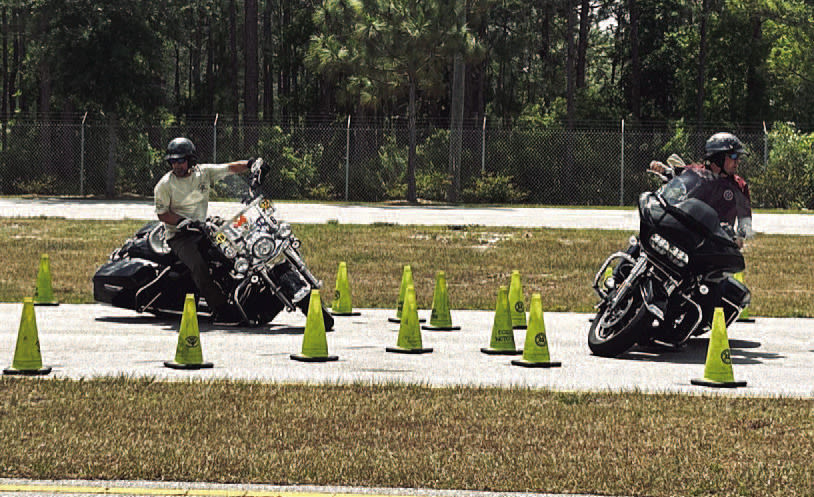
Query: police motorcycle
x=252, y=255
x=663, y=289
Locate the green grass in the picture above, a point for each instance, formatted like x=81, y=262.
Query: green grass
x=557, y=263
x=406, y=436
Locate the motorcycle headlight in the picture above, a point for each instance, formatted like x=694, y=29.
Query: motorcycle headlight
x=229, y=251
x=263, y=246
x=284, y=230
x=663, y=247
x=241, y=265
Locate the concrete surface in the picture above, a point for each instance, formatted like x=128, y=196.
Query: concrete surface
x=84, y=341
x=542, y=217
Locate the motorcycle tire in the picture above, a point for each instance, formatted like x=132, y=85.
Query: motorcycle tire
x=627, y=330
x=327, y=317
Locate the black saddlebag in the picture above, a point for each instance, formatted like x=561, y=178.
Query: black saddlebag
x=117, y=282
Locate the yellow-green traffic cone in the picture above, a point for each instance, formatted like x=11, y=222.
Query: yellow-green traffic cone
x=188, y=353
x=44, y=293
x=314, y=342
x=27, y=358
x=517, y=304
x=718, y=367
x=406, y=280
x=502, y=341
x=535, y=350
x=342, y=299
x=744, y=316
x=440, y=318
x=409, y=340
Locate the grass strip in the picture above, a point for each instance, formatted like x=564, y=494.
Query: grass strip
x=557, y=263
x=406, y=436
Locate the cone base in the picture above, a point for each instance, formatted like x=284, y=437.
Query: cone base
x=491, y=351
x=177, y=365
x=400, y=350
x=531, y=364
x=308, y=358
x=440, y=328
x=352, y=313
x=46, y=303
x=398, y=320
x=746, y=320
x=519, y=326
x=27, y=372
x=717, y=384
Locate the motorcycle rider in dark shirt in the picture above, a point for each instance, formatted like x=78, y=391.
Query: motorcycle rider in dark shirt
x=722, y=189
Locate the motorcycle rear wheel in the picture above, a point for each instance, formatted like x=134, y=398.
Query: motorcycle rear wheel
x=613, y=332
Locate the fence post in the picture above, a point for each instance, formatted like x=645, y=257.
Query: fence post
x=82, y=156
x=215, y=140
x=622, y=169
x=347, y=158
x=765, y=146
x=483, y=148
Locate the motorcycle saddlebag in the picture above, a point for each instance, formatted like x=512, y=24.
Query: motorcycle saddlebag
x=117, y=282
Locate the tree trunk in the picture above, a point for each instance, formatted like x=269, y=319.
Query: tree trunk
x=268, y=72
x=250, y=86
x=457, y=115
x=568, y=181
x=755, y=104
x=233, y=59
x=411, y=193
x=702, y=64
x=582, y=46
x=110, y=183
x=635, y=62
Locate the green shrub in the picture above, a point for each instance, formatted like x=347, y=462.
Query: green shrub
x=493, y=188
x=788, y=179
x=432, y=185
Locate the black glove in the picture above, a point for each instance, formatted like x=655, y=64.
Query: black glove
x=259, y=169
x=186, y=224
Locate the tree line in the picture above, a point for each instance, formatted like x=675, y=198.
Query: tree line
x=449, y=64
x=702, y=61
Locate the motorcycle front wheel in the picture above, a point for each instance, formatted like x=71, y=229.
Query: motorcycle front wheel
x=614, y=331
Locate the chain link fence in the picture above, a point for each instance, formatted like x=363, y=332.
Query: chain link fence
x=359, y=162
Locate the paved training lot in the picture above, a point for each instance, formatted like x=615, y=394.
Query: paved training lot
x=82, y=341
x=542, y=217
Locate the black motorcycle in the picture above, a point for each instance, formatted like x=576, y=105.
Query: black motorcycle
x=665, y=287
x=252, y=255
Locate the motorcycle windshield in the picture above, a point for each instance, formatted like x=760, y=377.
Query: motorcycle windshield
x=684, y=197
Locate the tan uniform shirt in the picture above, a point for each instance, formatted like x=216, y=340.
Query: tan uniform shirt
x=188, y=196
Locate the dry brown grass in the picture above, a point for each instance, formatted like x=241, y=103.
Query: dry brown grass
x=557, y=263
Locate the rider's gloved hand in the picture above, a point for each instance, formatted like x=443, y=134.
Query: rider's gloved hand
x=259, y=168
x=186, y=224
x=659, y=167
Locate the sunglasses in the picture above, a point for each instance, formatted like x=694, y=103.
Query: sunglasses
x=176, y=161
x=734, y=156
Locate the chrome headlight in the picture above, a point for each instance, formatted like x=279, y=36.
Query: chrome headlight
x=229, y=251
x=241, y=265
x=263, y=246
x=284, y=230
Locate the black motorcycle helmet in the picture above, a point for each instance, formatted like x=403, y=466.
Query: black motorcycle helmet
x=719, y=145
x=182, y=148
